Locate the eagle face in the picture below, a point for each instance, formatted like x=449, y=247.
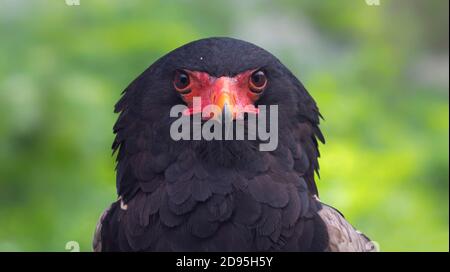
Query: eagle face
x=214, y=195
x=220, y=71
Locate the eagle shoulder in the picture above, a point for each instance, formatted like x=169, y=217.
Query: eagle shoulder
x=97, y=241
x=98, y=244
x=342, y=236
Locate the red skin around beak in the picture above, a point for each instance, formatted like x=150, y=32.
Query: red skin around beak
x=232, y=92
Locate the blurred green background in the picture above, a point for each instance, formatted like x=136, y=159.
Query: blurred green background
x=378, y=73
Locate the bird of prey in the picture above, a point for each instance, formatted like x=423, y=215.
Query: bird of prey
x=219, y=195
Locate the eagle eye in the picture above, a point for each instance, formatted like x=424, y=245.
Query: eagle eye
x=258, y=81
x=182, y=82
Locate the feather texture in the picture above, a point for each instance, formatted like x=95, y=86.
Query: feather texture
x=218, y=195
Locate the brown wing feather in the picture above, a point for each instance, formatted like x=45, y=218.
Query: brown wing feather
x=97, y=241
x=343, y=237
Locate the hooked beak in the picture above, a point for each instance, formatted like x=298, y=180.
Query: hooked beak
x=230, y=99
x=226, y=105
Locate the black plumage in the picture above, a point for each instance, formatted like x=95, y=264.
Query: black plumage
x=218, y=195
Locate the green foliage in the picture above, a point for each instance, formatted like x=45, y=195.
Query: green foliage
x=62, y=68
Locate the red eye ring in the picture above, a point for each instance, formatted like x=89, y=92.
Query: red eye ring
x=257, y=81
x=182, y=82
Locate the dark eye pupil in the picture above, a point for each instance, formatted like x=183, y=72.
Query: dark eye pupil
x=181, y=80
x=259, y=79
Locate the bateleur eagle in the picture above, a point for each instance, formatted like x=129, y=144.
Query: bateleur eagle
x=219, y=195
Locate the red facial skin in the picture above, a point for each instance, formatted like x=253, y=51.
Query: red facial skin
x=233, y=91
